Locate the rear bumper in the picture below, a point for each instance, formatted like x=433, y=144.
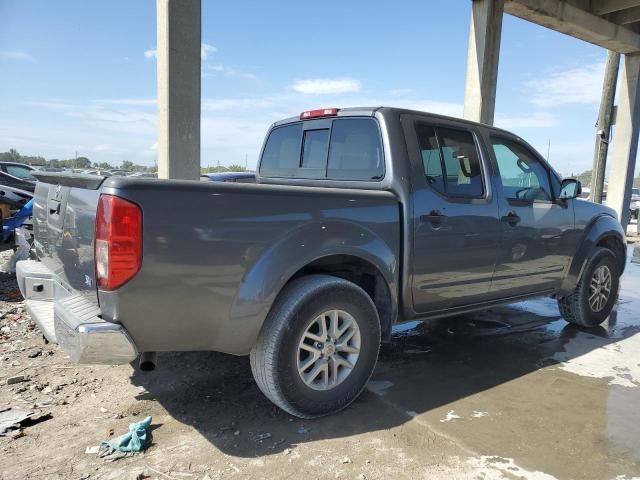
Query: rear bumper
x=71, y=319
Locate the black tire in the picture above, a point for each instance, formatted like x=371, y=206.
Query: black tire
x=273, y=358
x=575, y=308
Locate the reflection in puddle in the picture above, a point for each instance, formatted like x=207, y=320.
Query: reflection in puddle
x=532, y=372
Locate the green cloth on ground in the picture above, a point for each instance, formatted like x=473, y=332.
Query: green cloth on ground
x=135, y=440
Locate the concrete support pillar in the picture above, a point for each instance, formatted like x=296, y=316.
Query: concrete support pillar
x=603, y=135
x=482, y=60
x=178, y=47
x=625, y=142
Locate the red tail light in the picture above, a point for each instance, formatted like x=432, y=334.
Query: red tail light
x=118, y=247
x=322, y=112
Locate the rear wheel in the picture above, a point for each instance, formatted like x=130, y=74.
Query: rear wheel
x=596, y=293
x=318, y=346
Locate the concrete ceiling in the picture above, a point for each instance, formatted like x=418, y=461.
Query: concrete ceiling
x=612, y=24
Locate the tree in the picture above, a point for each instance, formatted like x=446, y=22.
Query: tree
x=14, y=156
x=236, y=168
x=127, y=165
x=585, y=178
x=81, y=162
x=102, y=166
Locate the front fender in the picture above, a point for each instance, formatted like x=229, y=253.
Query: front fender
x=599, y=228
x=311, y=241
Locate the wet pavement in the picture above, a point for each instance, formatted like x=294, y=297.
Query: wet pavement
x=520, y=385
x=510, y=393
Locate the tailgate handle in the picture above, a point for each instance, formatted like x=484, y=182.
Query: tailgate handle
x=55, y=211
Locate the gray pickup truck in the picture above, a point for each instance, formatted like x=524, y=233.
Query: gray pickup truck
x=360, y=218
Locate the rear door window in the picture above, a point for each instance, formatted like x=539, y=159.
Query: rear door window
x=431, y=157
x=350, y=149
x=451, y=161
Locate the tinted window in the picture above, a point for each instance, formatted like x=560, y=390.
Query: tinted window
x=451, y=161
x=461, y=163
x=355, y=151
x=431, y=159
x=350, y=150
x=523, y=176
x=281, y=156
x=20, y=172
x=314, y=149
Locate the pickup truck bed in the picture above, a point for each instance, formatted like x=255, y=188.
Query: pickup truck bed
x=215, y=254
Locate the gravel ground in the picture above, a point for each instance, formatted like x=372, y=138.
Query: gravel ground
x=209, y=419
x=460, y=400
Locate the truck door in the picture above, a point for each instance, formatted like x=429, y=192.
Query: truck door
x=455, y=216
x=537, y=230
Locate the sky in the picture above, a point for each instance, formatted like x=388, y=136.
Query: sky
x=79, y=76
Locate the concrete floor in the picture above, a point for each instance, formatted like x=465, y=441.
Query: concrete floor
x=507, y=393
x=514, y=392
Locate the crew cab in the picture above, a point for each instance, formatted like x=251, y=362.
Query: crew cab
x=360, y=218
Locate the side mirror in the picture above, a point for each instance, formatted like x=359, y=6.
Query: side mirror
x=571, y=188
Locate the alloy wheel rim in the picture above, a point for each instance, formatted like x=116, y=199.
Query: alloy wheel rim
x=600, y=288
x=328, y=350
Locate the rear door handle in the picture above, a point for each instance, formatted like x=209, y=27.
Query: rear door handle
x=434, y=217
x=511, y=218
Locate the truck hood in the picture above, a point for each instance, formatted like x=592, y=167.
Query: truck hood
x=594, y=209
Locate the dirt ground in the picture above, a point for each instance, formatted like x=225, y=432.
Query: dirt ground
x=505, y=394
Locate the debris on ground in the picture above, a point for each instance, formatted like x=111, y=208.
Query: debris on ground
x=12, y=419
x=135, y=440
x=17, y=379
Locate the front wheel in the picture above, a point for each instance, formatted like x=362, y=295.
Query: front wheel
x=318, y=346
x=596, y=293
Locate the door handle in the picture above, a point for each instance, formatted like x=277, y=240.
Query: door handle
x=511, y=218
x=435, y=218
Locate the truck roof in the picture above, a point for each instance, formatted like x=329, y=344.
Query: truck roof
x=370, y=112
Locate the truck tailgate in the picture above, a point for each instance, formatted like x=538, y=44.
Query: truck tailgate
x=64, y=221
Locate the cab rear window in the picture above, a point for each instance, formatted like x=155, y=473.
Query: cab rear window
x=349, y=149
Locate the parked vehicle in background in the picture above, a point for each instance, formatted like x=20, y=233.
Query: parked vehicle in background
x=634, y=207
x=142, y=175
x=102, y=173
x=121, y=173
x=236, y=177
x=18, y=170
x=14, y=197
x=17, y=176
x=361, y=218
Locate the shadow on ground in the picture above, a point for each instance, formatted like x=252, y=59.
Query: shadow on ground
x=423, y=367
